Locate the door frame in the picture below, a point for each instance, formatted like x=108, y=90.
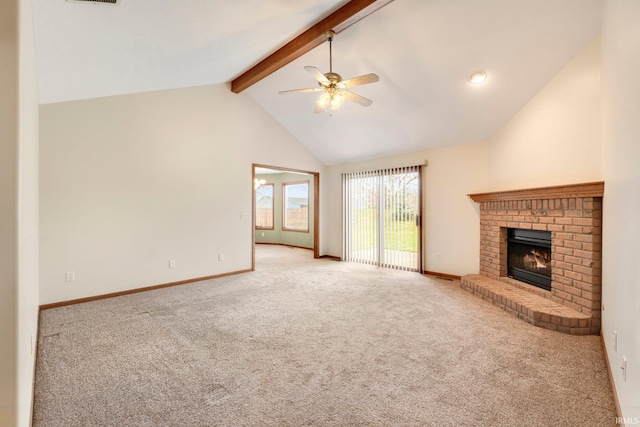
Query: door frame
x=316, y=208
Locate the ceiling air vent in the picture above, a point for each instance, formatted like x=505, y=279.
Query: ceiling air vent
x=94, y=1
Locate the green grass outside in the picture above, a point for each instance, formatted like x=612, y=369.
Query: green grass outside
x=399, y=235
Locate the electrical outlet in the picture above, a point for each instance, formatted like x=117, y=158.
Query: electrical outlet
x=172, y=263
x=615, y=341
x=262, y=234
x=438, y=256
x=220, y=257
x=624, y=368
x=70, y=276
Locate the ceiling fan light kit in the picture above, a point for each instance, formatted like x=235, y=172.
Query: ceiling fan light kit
x=334, y=89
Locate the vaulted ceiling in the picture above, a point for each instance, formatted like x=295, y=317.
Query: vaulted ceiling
x=423, y=50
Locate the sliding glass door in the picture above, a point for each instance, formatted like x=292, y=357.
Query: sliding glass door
x=381, y=217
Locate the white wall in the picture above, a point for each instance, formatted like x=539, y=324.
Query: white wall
x=454, y=230
x=556, y=138
x=129, y=182
x=18, y=212
x=28, y=255
x=621, y=225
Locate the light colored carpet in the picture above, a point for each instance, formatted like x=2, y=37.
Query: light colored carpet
x=303, y=342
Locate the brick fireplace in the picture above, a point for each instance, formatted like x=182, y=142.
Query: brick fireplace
x=573, y=215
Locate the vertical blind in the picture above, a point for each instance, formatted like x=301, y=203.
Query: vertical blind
x=381, y=217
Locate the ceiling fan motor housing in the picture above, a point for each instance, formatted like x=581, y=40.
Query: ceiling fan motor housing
x=334, y=80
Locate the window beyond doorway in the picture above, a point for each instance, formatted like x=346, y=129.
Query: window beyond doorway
x=295, y=206
x=264, y=207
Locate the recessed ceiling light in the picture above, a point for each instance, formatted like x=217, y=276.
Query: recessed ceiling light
x=478, y=77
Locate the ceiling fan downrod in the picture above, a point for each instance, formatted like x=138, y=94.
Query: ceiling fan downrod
x=330, y=35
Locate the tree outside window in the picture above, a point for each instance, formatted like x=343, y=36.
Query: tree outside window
x=264, y=207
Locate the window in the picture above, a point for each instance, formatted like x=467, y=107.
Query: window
x=264, y=207
x=295, y=206
x=382, y=217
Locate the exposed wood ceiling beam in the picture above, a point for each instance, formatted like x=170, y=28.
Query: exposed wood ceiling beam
x=339, y=20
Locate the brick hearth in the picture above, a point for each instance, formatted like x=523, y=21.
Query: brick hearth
x=573, y=215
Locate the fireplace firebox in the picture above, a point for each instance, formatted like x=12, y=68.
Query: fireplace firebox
x=529, y=256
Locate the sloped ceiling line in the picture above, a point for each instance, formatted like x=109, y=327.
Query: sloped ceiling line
x=338, y=21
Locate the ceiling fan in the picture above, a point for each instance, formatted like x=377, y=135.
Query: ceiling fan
x=335, y=90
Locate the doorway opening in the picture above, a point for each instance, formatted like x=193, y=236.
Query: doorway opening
x=286, y=208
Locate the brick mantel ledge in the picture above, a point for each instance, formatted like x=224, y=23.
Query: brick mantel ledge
x=588, y=189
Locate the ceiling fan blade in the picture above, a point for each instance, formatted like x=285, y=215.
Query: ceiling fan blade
x=361, y=80
x=314, y=89
x=317, y=74
x=365, y=102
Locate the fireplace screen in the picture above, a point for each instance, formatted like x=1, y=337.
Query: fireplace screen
x=529, y=257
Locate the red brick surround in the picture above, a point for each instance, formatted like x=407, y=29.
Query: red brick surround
x=573, y=215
